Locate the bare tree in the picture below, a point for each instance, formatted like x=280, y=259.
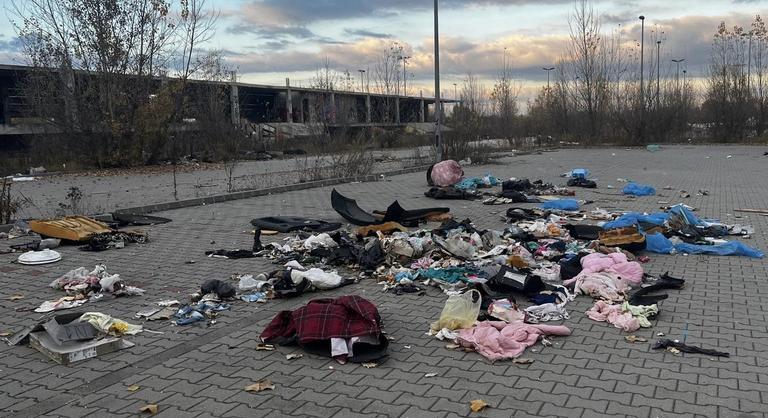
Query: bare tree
x=504, y=97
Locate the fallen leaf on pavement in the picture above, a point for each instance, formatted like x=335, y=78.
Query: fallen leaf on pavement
x=370, y=365
x=150, y=409
x=293, y=356
x=133, y=388
x=522, y=361
x=260, y=386
x=477, y=405
x=16, y=297
x=430, y=375
x=635, y=339
x=265, y=347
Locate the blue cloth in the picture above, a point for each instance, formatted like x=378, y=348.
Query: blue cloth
x=658, y=243
x=449, y=275
x=634, y=218
x=471, y=183
x=561, y=204
x=635, y=189
x=729, y=248
x=580, y=173
x=403, y=275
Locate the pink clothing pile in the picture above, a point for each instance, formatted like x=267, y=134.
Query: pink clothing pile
x=497, y=340
x=605, y=312
x=608, y=286
x=446, y=173
x=630, y=271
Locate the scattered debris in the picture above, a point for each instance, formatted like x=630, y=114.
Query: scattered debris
x=370, y=365
x=150, y=409
x=635, y=339
x=265, y=347
x=477, y=405
x=260, y=386
x=293, y=356
x=522, y=360
x=133, y=388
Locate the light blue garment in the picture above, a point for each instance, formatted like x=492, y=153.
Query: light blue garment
x=729, y=248
x=580, y=173
x=561, y=204
x=636, y=189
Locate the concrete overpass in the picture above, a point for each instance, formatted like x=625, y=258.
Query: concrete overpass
x=257, y=104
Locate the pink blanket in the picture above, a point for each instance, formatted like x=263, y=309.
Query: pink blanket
x=605, y=312
x=497, y=340
x=630, y=271
x=607, y=285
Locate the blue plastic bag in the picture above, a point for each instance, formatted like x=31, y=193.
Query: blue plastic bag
x=634, y=218
x=635, y=189
x=729, y=248
x=658, y=243
x=561, y=204
x=580, y=173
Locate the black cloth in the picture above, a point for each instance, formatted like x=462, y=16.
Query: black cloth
x=642, y=296
x=284, y=287
x=223, y=290
x=571, y=267
x=449, y=193
x=685, y=348
x=231, y=253
x=581, y=182
x=126, y=219
x=294, y=223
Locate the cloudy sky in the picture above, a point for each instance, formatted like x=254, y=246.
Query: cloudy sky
x=268, y=40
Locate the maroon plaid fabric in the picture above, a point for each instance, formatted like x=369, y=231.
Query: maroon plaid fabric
x=323, y=319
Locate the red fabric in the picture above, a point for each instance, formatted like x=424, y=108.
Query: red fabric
x=323, y=319
x=446, y=173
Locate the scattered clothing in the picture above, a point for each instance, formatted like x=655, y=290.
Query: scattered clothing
x=222, y=289
x=497, y=340
x=546, y=312
x=625, y=316
x=635, y=189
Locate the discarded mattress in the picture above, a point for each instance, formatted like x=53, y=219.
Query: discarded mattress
x=71, y=228
x=349, y=210
x=294, y=223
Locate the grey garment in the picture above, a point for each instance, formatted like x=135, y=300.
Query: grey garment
x=545, y=312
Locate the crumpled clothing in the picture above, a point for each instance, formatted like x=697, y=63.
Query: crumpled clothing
x=505, y=310
x=630, y=271
x=625, y=316
x=320, y=241
x=108, y=325
x=546, y=312
x=448, y=275
x=422, y=263
x=189, y=314
x=605, y=285
x=444, y=334
x=497, y=340
x=446, y=173
x=80, y=279
x=548, y=273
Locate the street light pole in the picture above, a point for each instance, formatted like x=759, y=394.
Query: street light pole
x=548, y=69
x=362, y=83
x=658, y=73
x=438, y=105
x=677, y=74
x=405, y=76
x=642, y=70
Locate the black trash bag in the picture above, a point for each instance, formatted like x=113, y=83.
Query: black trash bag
x=450, y=193
x=294, y=223
x=233, y=254
x=222, y=289
x=517, y=197
x=519, y=185
x=510, y=279
x=584, y=232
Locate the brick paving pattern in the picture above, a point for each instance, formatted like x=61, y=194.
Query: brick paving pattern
x=201, y=372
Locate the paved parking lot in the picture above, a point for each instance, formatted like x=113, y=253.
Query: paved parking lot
x=201, y=372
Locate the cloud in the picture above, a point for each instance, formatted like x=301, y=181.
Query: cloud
x=366, y=33
x=303, y=12
x=12, y=45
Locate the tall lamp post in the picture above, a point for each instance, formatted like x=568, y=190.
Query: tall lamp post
x=362, y=83
x=642, y=75
x=438, y=105
x=677, y=76
x=658, y=74
x=548, y=69
x=405, y=76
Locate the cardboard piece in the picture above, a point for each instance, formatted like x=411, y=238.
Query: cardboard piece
x=72, y=352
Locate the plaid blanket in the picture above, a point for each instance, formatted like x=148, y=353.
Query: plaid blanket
x=323, y=319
